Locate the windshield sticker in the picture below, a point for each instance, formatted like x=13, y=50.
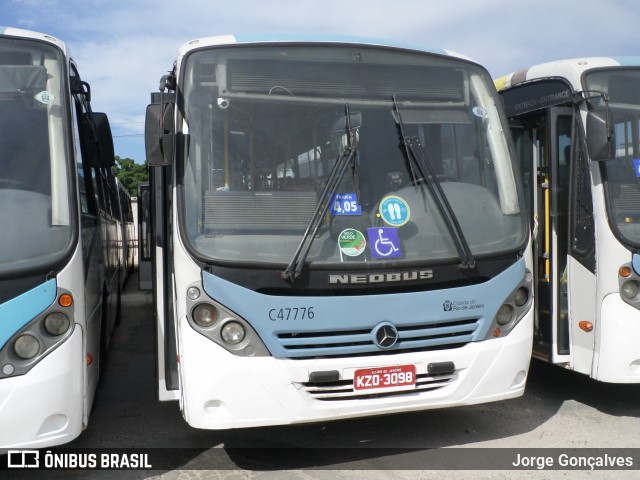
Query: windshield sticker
x=351, y=242
x=479, y=112
x=345, y=204
x=384, y=242
x=636, y=166
x=44, y=97
x=394, y=211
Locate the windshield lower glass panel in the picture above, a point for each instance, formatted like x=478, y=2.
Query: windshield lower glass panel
x=34, y=190
x=264, y=126
x=622, y=174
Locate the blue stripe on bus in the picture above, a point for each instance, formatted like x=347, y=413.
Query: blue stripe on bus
x=343, y=317
x=335, y=38
x=636, y=263
x=17, y=312
x=627, y=61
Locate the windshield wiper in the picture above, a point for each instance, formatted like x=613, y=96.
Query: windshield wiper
x=345, y=159
x=417, y=156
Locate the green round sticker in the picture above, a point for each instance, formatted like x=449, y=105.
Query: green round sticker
x=351, y=242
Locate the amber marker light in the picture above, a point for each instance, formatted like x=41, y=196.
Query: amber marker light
x=65, y=300
x=89, y=359
x=586, y=326
x=624, y=272
x=496, y=332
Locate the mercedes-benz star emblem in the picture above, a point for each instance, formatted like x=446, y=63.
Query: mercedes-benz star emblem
x=386, y=336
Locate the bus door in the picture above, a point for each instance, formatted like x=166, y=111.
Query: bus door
x=543, y=144
x=160, y=185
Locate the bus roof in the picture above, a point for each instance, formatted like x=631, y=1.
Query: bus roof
x=306, y=38
x=570, y=69
x=18, y=32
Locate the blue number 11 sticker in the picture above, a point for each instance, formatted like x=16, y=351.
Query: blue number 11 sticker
x=345, y=204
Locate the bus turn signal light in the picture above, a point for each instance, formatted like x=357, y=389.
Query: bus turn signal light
x=586, y=326
x=624, y=272
x=65, y=300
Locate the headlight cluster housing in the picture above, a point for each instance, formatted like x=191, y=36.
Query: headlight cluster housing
x=221, y=325
x=516, y=305
x=39, y=337
x=629, y=285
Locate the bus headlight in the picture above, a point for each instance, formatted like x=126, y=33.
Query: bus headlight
x=205, y=314
x=521, y=297
x=505, y=314
x=629, y=289
x=221, y=325
x=56, y=323
x=513, y=309
x=193, y=293
x=26, y=346
x=233, y=333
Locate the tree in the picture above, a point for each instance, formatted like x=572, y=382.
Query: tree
x=130, y=173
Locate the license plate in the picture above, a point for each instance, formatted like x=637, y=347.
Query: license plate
x=384, y=377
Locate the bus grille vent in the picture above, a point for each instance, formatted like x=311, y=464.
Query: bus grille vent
x=343, y=389
x=350, y=343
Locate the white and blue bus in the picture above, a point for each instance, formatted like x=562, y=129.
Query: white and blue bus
x=576, y=126
x=60, y=267
x=338, y=231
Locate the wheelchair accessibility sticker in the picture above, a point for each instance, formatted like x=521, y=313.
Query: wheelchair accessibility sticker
x=384, y=242
x=394, y=211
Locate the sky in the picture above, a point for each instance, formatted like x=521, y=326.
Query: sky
x=123, y=47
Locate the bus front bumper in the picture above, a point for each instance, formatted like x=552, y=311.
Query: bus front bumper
x=44, y=407
x=220, y=390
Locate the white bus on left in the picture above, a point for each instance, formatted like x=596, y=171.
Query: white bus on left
x=61, y=264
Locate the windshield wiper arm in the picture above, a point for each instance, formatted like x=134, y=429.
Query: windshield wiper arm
x=345, y=159
x=412, y=149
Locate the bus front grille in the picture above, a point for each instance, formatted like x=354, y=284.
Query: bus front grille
x=350, y=343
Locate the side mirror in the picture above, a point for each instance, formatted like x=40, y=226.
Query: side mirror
x=600, y=136
x=99, y=141
x=159, y=136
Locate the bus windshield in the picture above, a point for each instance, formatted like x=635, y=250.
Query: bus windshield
x=264, y=126
x=622, y=174
x=34, y=190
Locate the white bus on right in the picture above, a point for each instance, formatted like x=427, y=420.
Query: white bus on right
x=576, y=129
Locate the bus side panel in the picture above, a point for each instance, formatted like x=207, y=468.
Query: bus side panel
x=580, y=286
